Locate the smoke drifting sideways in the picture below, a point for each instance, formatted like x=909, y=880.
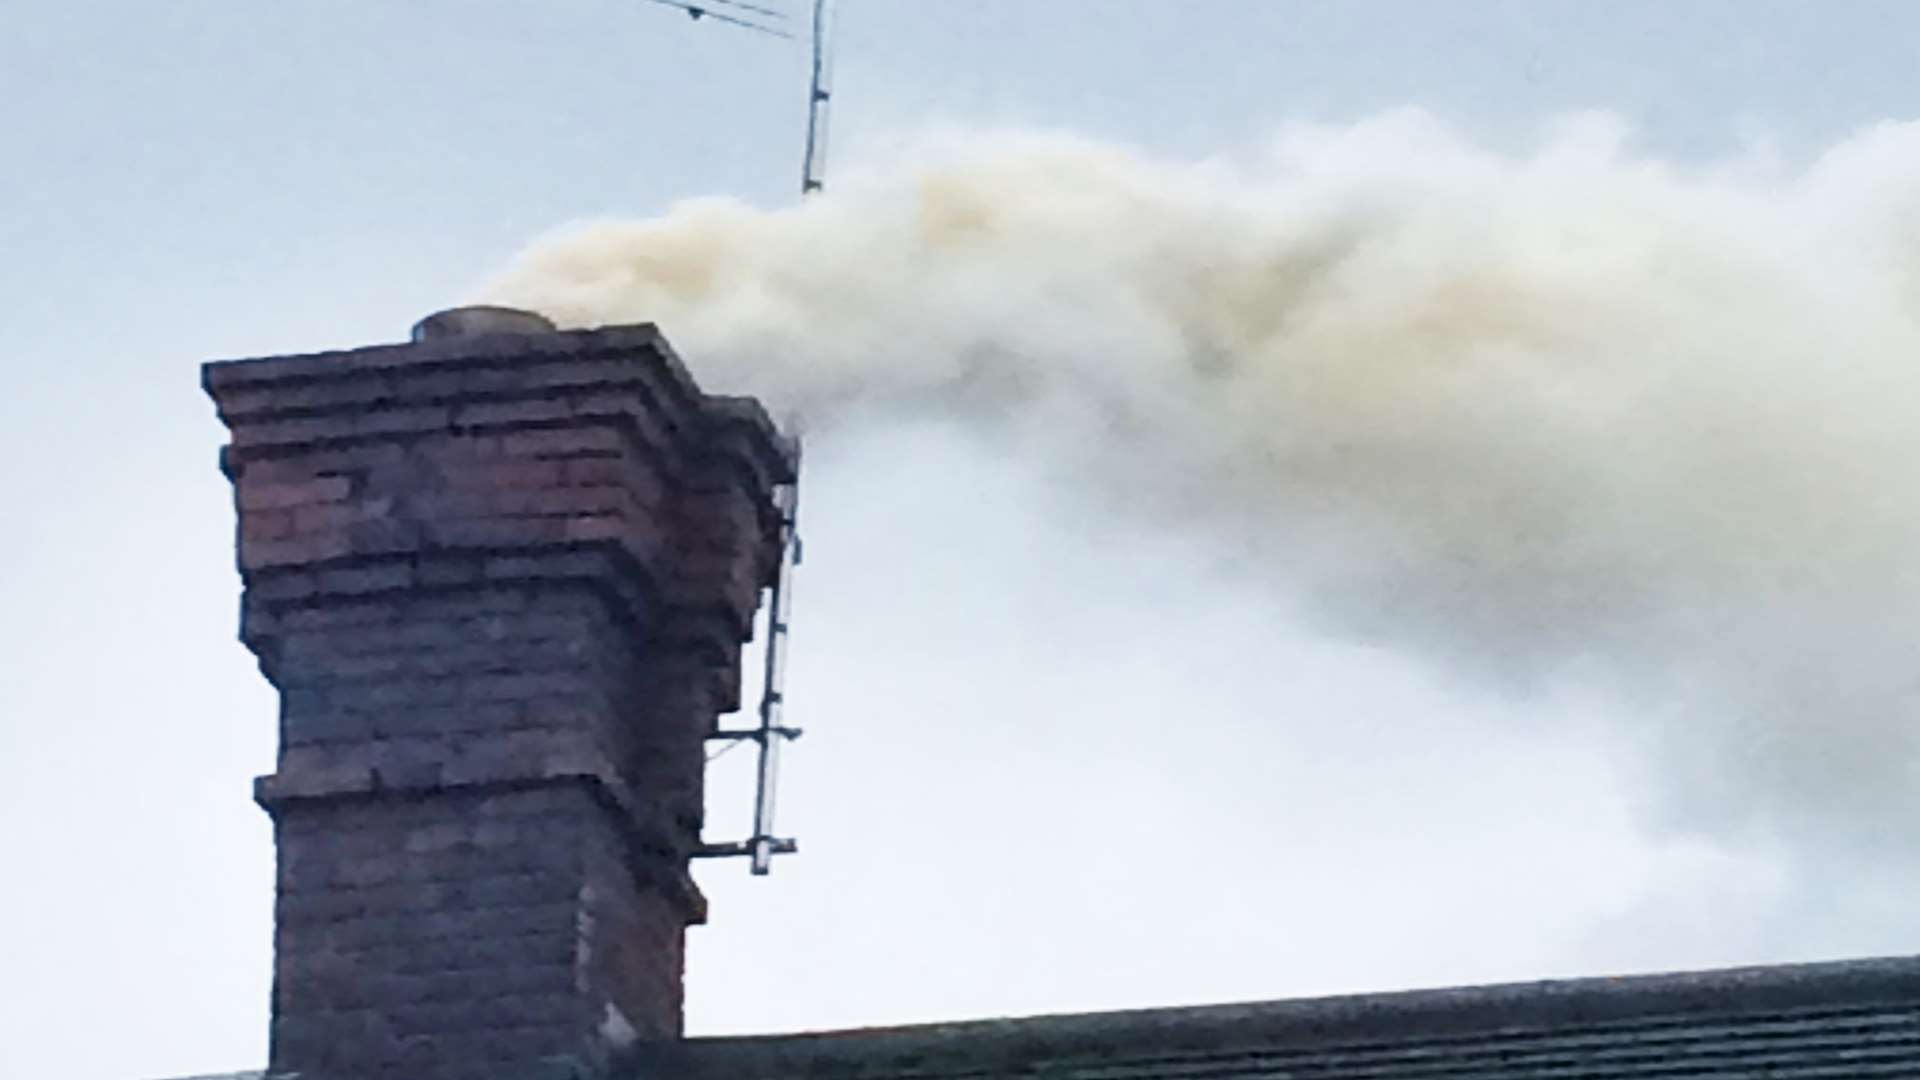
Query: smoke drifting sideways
x=1569, y=417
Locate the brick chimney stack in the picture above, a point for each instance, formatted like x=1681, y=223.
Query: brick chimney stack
x=500, y=576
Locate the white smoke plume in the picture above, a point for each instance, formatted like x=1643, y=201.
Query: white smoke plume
x=1569, y=417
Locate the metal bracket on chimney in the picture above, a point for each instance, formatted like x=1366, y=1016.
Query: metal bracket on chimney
x=763, y=845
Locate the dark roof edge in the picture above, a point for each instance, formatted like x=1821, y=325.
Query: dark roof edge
x=1836, y=986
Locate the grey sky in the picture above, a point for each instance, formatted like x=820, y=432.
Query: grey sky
x=1049, y=768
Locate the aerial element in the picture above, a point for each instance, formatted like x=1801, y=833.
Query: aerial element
x=813, y=167
x=702, y=10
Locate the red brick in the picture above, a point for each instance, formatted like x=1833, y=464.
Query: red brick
x=452, y=447
x=267, y=524
x=397, y=421
x=563, y=442
x=596, y=528
x=562, y=500
x=304, y=429
x=255, y=554
x=313, y=519
x=277, y=496
x=521, y=411
x=505, y=473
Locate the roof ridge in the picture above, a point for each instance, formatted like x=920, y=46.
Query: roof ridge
x=1727, y=1015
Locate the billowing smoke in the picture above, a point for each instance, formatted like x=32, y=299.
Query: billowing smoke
x=1574, y=417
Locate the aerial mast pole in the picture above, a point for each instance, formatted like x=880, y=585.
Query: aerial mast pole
x=813, y=171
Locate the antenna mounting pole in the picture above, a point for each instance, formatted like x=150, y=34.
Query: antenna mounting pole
x=763, y=845
x=813, y=171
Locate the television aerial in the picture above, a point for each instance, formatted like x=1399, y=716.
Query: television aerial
x=771, y=21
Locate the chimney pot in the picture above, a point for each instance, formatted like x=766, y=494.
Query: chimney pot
x=477, y=319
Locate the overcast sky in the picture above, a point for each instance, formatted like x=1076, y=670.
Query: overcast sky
x=1051, y=765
